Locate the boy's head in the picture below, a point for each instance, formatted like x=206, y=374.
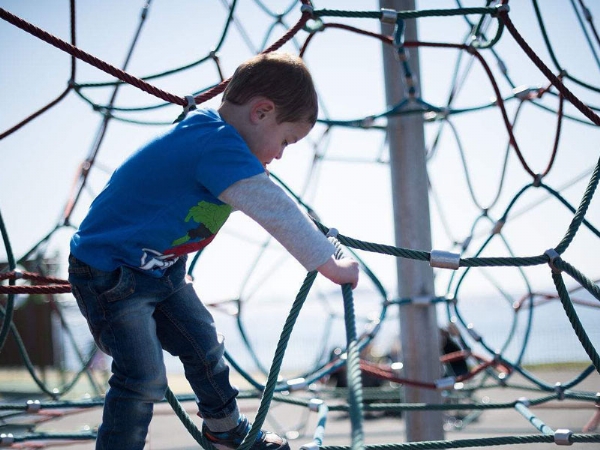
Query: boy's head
x=282, y=78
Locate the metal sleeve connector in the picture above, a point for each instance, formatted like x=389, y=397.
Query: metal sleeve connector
x=389, y=15
x=553, y=256
x=562, y=436
x=444, y=260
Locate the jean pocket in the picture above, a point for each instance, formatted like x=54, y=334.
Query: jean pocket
x=122, y=285
x=79, y=300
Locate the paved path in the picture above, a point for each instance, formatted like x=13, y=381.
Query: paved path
x=167, y=432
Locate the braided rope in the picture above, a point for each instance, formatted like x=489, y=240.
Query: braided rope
x=581, y=210
x=423, y=256
x=90, y=59
x=466, y=443
x=575, y=322
x=263, y=409
x=585, y=110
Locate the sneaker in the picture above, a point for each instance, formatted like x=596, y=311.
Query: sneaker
x=226, y=440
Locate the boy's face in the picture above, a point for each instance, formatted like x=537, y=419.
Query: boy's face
x=269, y=138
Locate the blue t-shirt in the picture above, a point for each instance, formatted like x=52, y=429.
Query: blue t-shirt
x=162, y=202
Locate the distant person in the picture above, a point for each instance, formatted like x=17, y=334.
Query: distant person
x=127, y=265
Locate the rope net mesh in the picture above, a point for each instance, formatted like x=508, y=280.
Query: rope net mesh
x=508, y=97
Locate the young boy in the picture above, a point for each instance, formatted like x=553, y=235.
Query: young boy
x=127, y=262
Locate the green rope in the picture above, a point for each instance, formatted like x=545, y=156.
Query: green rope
x=277, y=361
x=584, y=281
x=178, y=69
x=419, y=255
x=575, y=323
x=52, y=393
x=271, y=382
x=43, y=436
x=581, y=210
x=355, y=392
x=488, y=43
x=187, y=421
x=23, y=406
x=353, y=372
x=481, y=442
x=10, y=304
x=553, y=55
x=570, y=207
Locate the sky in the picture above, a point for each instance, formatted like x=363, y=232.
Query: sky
x=471, y=168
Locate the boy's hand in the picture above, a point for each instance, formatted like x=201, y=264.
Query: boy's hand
x=340, y=271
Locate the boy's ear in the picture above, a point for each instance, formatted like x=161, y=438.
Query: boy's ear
x=260, y=109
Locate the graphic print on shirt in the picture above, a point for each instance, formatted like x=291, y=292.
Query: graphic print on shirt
x=208, y=219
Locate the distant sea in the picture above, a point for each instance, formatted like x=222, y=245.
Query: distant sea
x=320, y=328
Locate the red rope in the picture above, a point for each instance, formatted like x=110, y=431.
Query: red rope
x=585, y=110
x=90, y=59
x=124, y=76
x=52, y=285
x=15, y=275
x=218, y=89
x=388, y=40
x=57, y=99
x=386, y=373
x=49, y=289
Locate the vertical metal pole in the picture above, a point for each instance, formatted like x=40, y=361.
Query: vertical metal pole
x=419, y=333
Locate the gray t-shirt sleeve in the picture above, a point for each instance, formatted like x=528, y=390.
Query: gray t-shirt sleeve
x=267, y=204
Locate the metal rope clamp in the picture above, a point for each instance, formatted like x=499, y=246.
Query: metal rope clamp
x=314, y=404
x=297, y=384
x=33, y=406
x=560, y=391
x=307, y=9
x=444, y=384
x=562, y=436
x=444, y=260
x=389, y=15
x=6, y=439
x=190, y=106
x=552, y=255
x=310, y=446
x=318, y=23
x=191, y=103
x=333, y=232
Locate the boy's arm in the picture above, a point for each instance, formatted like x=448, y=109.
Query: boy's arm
x=266, y=203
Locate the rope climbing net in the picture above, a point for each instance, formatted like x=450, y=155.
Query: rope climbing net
x=537, y=228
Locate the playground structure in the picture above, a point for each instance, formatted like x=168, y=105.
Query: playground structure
x=485, y=244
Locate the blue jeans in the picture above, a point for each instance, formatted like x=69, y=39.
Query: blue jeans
x=132, y=318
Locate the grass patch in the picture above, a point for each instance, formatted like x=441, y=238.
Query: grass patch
x=573, y=365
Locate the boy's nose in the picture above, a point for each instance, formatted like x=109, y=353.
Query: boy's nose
x=279, y=155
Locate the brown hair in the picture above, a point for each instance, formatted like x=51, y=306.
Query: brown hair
x=282, y=78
